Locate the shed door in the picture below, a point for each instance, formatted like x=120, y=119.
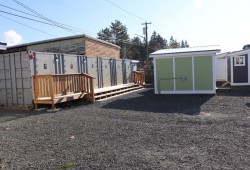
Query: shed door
x=183, y=73
x=164, y=74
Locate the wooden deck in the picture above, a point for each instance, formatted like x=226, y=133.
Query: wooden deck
x=53, y=89
x=108, y=92
x=58, y=88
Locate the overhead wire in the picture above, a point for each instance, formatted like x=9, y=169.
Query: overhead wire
x=54, y=23
x=28, y=26
x=124, y=10
x=75, y=28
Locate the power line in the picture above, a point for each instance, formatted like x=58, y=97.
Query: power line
x=124, y=10
x=71, y=27
x=29, y=26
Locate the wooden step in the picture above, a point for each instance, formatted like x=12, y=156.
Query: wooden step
x=116, y=91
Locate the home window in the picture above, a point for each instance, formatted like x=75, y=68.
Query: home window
x=239, y=61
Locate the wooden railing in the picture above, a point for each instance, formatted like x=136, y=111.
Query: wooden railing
x=57, y=88
x=138, y=78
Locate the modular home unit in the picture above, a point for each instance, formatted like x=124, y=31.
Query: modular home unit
x=239, y=67
x=185, y=70
x=17, y=69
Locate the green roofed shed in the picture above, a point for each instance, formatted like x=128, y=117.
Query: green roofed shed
x=185, y=70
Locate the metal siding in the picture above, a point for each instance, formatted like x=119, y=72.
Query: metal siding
x=13, y=80
x=3, y=97
x=240, y=73
x=113, y=72
x=128, y=71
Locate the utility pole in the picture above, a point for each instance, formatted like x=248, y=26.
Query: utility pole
x=146, y=34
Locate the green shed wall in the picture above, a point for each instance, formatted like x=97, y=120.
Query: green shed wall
x=194, y=73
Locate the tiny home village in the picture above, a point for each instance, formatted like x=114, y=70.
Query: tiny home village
x=82, y=67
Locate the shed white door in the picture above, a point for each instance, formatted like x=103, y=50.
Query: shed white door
x=221, y=69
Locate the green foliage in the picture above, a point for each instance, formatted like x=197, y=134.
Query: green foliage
x=67, y=165
x=117, y=33
x=134, y=48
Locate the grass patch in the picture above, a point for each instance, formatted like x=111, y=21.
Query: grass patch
x=67, y=165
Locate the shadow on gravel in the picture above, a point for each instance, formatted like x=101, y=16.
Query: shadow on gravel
x=149, y=102
x=9, y=115
x=248, y=104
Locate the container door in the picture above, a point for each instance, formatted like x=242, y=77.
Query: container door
x=106, y=72
x=119, y=78
x=45, y=63
x=70, y=64
x=92, y=69
x=8, y=80
x=127, y=72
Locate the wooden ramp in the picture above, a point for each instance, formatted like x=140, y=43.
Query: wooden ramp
x=108, y=92
x=58, y=88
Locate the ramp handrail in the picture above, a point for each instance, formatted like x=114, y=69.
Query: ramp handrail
x=54, y=85
x=138, y=78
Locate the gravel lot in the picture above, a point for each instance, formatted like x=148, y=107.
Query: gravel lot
x=138, y=130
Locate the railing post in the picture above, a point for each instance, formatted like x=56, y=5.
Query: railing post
x=51, y=86
x=35, y=90
x=92, y=90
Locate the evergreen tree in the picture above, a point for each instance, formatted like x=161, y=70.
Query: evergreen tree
x=173, y=43
x=157, y=42
x=186, y=44
x=116, y=34
x=182, y=44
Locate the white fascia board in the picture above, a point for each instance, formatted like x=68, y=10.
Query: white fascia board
x=184, y=54
x=236, y=53
x=190, y=92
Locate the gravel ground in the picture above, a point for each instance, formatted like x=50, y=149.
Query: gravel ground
x=138, y=130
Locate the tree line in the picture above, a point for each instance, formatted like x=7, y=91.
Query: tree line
x=134, y=48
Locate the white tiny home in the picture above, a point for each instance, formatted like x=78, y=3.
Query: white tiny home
x=222, y=67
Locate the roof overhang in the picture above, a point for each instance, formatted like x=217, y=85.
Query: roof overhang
x=194, y=51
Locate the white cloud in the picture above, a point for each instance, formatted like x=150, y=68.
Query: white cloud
x=199, y=3
x=11, y=38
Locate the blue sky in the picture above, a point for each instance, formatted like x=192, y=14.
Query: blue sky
x=200, y=22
